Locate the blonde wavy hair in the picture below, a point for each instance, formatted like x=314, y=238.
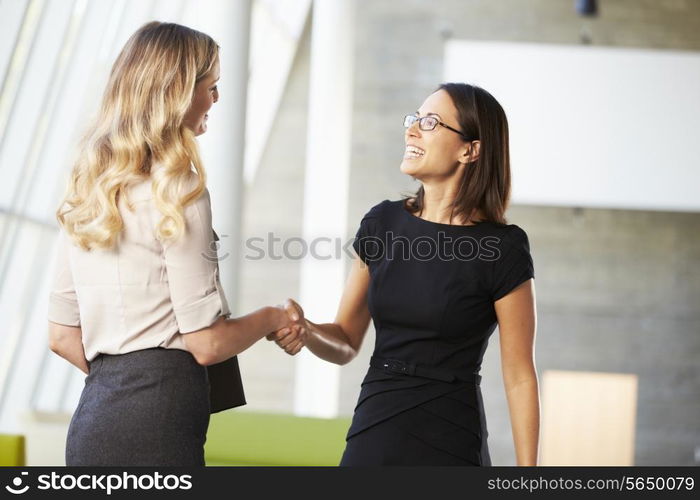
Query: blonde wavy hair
x=139, y=133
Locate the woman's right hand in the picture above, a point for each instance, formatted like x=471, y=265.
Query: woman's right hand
x=291, y=336
x=289, y=313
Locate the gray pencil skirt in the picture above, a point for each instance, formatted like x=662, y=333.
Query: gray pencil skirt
x=146, y=408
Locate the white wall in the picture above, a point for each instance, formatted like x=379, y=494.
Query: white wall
x=593, y=126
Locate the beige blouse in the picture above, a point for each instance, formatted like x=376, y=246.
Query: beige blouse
x=140, y=294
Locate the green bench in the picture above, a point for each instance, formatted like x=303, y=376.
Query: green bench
x=262, y=439
x=12, y=453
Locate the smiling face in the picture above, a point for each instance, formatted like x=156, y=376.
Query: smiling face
x=434, y=153
x=205, y=95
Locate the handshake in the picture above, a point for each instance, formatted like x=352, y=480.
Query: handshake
x=293, y=335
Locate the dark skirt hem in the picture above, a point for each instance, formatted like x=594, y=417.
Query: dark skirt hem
x=144, y=408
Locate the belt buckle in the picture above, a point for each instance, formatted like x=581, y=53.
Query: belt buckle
x=394, y=365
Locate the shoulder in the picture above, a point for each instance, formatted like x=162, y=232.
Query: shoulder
x=181, y=192
x=386, y=208
x=181, y=187
x=378, y=210
x=513, y=237
x=375, y=219
x=188, y=185
x=516, y=234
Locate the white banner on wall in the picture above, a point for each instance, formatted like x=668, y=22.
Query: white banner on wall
x=593, y=126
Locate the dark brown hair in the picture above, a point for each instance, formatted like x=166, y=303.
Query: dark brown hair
x=485, y=184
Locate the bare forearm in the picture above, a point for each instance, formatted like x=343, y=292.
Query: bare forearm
x=328, y=341
x=524, y=405
x=71, y=349
x=232, y=336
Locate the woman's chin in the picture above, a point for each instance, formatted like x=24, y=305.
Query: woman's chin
x=409, y=167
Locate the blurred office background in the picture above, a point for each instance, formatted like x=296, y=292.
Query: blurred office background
x=603, y=103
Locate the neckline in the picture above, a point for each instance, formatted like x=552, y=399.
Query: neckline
x=415, y=217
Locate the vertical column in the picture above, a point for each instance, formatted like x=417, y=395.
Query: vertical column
x=222, y=146
x=325, y=192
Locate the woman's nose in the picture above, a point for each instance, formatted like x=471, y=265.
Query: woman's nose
x=413, y=130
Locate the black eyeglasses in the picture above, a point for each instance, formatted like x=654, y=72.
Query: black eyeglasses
x=427, y=123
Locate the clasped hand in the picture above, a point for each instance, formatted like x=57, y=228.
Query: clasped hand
x=293, y=336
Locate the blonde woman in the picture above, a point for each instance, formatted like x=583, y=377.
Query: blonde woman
x=137, y=302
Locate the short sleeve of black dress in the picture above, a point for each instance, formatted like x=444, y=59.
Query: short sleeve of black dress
x=514, y=265
x=368, y=244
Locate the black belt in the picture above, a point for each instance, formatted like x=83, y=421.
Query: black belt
x=398, y=366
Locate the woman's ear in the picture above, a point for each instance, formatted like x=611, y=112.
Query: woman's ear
x=475, y=150
x=470, y=153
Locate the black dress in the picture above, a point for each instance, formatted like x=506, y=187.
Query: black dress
x=431, y=297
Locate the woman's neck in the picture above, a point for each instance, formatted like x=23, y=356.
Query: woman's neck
x=438, y=205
